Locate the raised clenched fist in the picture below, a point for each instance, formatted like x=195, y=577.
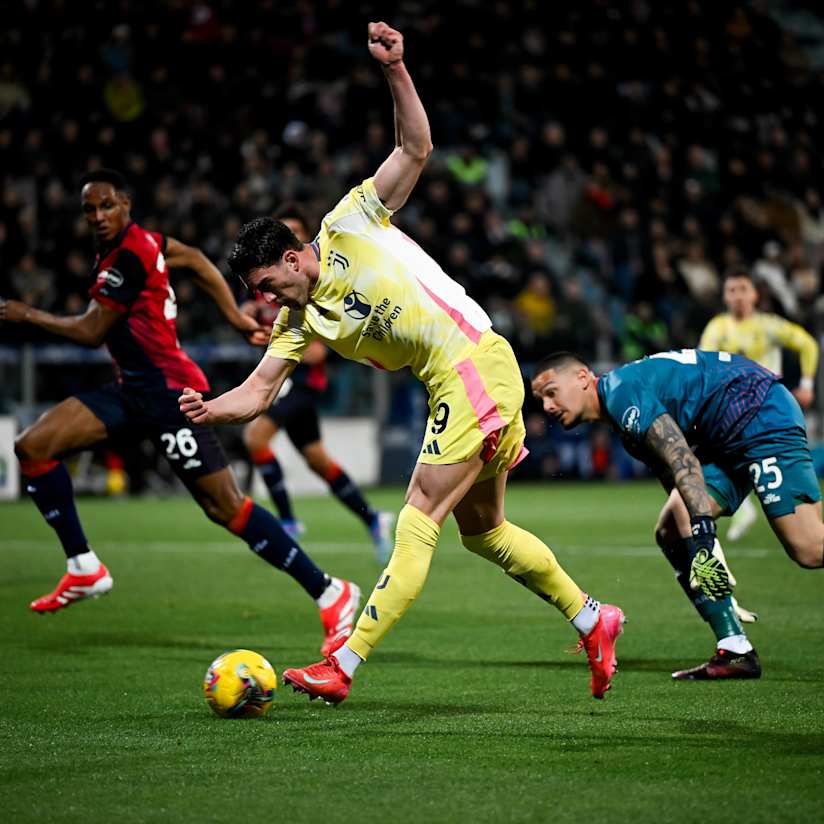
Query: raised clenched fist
x=385, y=43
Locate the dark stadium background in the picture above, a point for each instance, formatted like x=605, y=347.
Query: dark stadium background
x=598, y=166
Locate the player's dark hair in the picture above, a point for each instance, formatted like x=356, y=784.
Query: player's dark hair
x=111, y=176
x=260, y=243
x=558, y=360
x=739, y=272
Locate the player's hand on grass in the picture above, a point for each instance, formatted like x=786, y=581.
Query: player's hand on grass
x=12, y=311
x=193, y=406
x=385, y=43
x=709, y=574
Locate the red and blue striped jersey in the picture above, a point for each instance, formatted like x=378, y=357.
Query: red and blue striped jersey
x=132, y=278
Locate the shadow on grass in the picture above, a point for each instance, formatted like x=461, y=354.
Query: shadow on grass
x=299, y=654
x=689, y=735
x=783, y=672
x=572, y=662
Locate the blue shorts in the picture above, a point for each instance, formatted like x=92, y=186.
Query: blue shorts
x=296, y=411
x=192, y=451
x=771, y=458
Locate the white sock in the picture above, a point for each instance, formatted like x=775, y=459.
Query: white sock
x=87, y=563
x=587, y=617
x=349, y=661
x=739, y=644
x=330, y=594
x=747, y=509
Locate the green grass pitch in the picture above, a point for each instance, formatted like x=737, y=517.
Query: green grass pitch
x=470, y=711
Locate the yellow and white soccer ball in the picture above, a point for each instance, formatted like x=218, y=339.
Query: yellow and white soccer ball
x=240, y=684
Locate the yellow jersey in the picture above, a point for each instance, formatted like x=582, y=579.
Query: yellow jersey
x=380, y=299
x=761, y=338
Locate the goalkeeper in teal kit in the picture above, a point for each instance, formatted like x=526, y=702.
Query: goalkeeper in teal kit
x=712, y=426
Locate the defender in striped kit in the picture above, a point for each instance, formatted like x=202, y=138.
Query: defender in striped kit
x=133, y=311
x=373, y=295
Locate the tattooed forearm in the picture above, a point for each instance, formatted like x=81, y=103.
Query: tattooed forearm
x=674, y=457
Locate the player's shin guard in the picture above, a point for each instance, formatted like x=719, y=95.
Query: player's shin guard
x=266, y=538
x=416, y=536
x=528, y=560
x=50, y=486
x=719, y=614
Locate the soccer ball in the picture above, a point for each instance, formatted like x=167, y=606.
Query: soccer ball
x=240, y=684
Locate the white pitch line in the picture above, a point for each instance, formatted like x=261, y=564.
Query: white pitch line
x=182, y=546
x=640, y=551
x=601, y=550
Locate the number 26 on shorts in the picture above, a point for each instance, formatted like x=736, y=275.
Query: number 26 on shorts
x=179, y=443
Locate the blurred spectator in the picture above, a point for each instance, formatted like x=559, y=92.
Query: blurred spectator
x=698, y=273
x=536, y=311
x=34, y=284
x=593, y=173
x=769, y=270
x=811, y=220
x=575, y=326
x=643, y=333
x=467, y=166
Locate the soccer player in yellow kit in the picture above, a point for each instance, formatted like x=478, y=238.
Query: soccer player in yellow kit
x=373, y=295
x=760, y=336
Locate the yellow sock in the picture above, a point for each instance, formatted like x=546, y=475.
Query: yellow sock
x=416, y=536
x=529, y=561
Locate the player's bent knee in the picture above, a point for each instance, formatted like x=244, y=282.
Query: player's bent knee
x=320, y=466
x=21, y=447
x=28, y=447
x=808, y=554
x=320, y=463
x=222, y=512
x=213, y=511
x=252, y=440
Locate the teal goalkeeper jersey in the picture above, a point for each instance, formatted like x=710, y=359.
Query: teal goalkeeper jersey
x=712, y=396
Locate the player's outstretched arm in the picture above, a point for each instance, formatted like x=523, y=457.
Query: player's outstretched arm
x=399, y=173
x=209, y=279
x=667, y=443
x=243, y=403
x=793, y=336
x=88, y=329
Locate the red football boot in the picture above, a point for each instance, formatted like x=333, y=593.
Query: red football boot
x=324, y=680
x=600, y=648
x=72, y=588
x=338, y=618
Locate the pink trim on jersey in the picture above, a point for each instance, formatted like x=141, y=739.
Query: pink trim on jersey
x=485, y=408
x=463, y=324
x=521, y=455
x=407, y=238
x=376, y=364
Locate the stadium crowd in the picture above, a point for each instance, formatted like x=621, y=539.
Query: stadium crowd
x=598, y=165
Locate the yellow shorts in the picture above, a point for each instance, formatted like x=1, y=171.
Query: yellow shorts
x=476, y=408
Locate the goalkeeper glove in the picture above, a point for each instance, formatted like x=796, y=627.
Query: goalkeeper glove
x=707, y=571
